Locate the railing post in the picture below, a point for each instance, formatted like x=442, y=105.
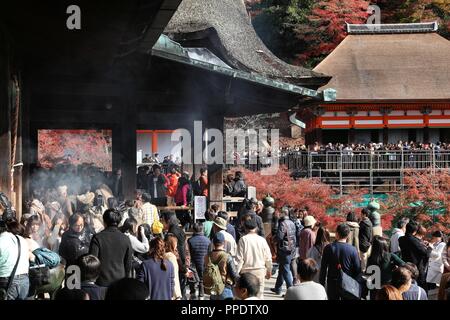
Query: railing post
x=402, y=167
x=340, y=174
x=310, y=164
x=371, y=172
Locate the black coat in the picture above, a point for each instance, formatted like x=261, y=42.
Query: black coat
x=414, y=251
x=114, y=250
x=365, y=235
x=74, y=245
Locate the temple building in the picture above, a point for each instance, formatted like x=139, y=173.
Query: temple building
x=129, y=71
x=392, y=82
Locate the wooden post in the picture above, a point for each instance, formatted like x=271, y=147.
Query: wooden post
x=128, y=147
x=5, y=121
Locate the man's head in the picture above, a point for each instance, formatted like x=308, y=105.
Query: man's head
x=247, y=286
x=218, y=240
x=111, y=218
x=146, y=197
x=203, y=171
x=168, y=218
x=156, y=170
x=250, y=224
x=89, y=267
x=127, y=289
x=342, y=231
x=413, y=269
x=198, y=228
x=223, y=215
x=401, y=279
x=219, y=224
x=411, y=228
x=365, y=213
x=402, y=222
x=307, y=269
x=76, y=222
x=215, y=207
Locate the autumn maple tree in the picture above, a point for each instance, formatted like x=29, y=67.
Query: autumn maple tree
x=320, y=199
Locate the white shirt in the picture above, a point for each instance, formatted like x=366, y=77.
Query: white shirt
x=253, y=253
x=138, y=246
x=230, y=245
x=394, y=239
x=308, y=290
x=8, y=255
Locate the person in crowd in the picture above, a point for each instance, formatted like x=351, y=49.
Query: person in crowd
x=64, y=201
x=198, y=247
x=66, y=294
x=307, y=289
x=116, y=184
x=228, y=185
x=316, y=252
x=294, y=215
x=353, y=237
x=149, y=212
x=384, y=259
x=36, y=231
x=239, y=186
x=55, y=237
x=209, y=222
x=248, y=208
x=89, y=272
x=127, y=289
x=230, y=228
x=171, y=255
x=131, y=230
x=415, y=292
x=415, y=251
x=220, y=226
x=13, y=251
x=170, y=225
x=75, y=242
x=113, y=249
x=338, y=253
x=96, y=213
x=183, y=197
x=365, y=237
x=203, y=182
x=254, y=256
x=446, y=257
x=436, y=263
x=388, y=292
x=397, y=233
x=402, y=280
x=286, y=245
x=157, y=273
x=247, y=287
x=307, y=236
x=224, y=261
x=172, y=184
x=157, y=186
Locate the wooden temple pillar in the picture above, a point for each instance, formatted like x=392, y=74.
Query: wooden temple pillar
x=127, y=155
x=5, y=120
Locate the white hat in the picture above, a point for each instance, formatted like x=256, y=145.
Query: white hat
x=309, y=221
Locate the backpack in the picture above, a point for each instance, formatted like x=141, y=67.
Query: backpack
x=212, y=278
x=44, y=256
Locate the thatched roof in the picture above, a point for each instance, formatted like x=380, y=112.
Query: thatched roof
x=375, y=66
x=226, y=26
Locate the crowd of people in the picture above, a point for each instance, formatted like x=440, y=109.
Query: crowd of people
x=132, y=250
x=366, y=147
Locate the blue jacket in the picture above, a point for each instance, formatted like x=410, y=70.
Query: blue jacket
x=160, y=283
x=348, y=258
x=198, y=248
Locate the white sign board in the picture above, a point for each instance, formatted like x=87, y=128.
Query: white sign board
x=199, y=207
x=251, y=192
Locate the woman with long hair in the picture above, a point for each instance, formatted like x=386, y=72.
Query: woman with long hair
x=171, y=244
x=322, y=240
x=384, y=259
x=157, y=273
x=131, y=230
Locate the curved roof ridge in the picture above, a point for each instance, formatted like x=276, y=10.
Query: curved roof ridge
x=236, y=39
